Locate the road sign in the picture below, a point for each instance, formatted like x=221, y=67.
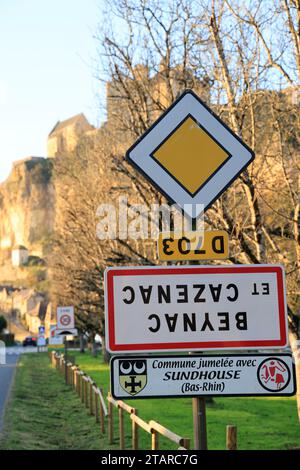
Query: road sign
x=54, y=340
x=195, y=308
x=41, y=341
x=41, y=330
x=65, y=318
x=190, y=155
x=67, y=332
x=217, y=375
x=207, y=245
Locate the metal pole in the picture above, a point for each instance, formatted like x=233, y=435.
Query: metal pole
x=199, y=418
x=199, y=406
x=66, y=359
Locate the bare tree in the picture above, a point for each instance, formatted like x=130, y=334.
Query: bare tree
x=169, y=46
x=272, y=115
x=232, y=56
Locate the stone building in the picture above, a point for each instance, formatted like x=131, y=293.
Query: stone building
x=26, y=300
x=50, y=319
x=35, y=317
x=150, y=94
x=65, y=135
x=19, y=256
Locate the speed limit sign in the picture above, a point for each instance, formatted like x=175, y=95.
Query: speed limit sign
x=65, y=318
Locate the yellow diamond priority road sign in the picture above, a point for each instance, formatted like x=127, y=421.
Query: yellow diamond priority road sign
x=190, y=155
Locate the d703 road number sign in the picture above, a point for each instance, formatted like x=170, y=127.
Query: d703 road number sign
x=212, y=244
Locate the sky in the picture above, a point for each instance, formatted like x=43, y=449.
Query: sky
x=47, y=57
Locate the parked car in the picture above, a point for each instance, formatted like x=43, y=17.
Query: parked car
x=30, y=341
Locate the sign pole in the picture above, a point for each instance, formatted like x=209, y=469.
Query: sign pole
x=66, y=358
x=199, y=419
x=198, y=403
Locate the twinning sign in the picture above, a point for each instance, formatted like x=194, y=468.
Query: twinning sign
x=221, y=375
x=194, y=308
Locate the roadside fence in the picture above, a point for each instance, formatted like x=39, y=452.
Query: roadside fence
x=93, y=399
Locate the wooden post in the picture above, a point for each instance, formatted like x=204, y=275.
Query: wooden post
x=78, y=373
x=79, y=382
x=87, y=393
x=102, y=423
x=83, y=389
x=91, y=398
x=135, y=434
x=231, y=437
x=75, y=378
x=97, y=398
x=199, y=418
x=121, y=428
x=110, y=423
x=79, y=385
x=186, y=443
x=94, y=399
x=154, y=440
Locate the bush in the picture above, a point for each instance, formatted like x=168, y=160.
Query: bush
x=3, y=323
x=9, y=339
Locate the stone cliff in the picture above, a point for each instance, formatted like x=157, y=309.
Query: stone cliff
x=27, y=206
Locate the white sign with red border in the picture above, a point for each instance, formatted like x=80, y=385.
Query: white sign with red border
x=194, y=308
x=65, y=318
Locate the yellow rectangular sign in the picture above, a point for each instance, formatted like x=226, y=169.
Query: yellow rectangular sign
x=209, y=245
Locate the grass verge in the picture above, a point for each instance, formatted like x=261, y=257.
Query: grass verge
x=44, y=413
x=263, y=423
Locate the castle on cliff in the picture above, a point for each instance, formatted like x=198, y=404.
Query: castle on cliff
x=27, y=197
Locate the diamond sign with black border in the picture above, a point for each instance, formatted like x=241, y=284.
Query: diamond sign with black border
x=190, y=155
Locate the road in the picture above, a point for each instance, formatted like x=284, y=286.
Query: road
x=6, y=376
x=16, y=350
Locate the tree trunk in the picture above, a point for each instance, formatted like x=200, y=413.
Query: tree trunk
x=295, y=346
x=105, y=354
x=94, y=348
x=81, y=342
